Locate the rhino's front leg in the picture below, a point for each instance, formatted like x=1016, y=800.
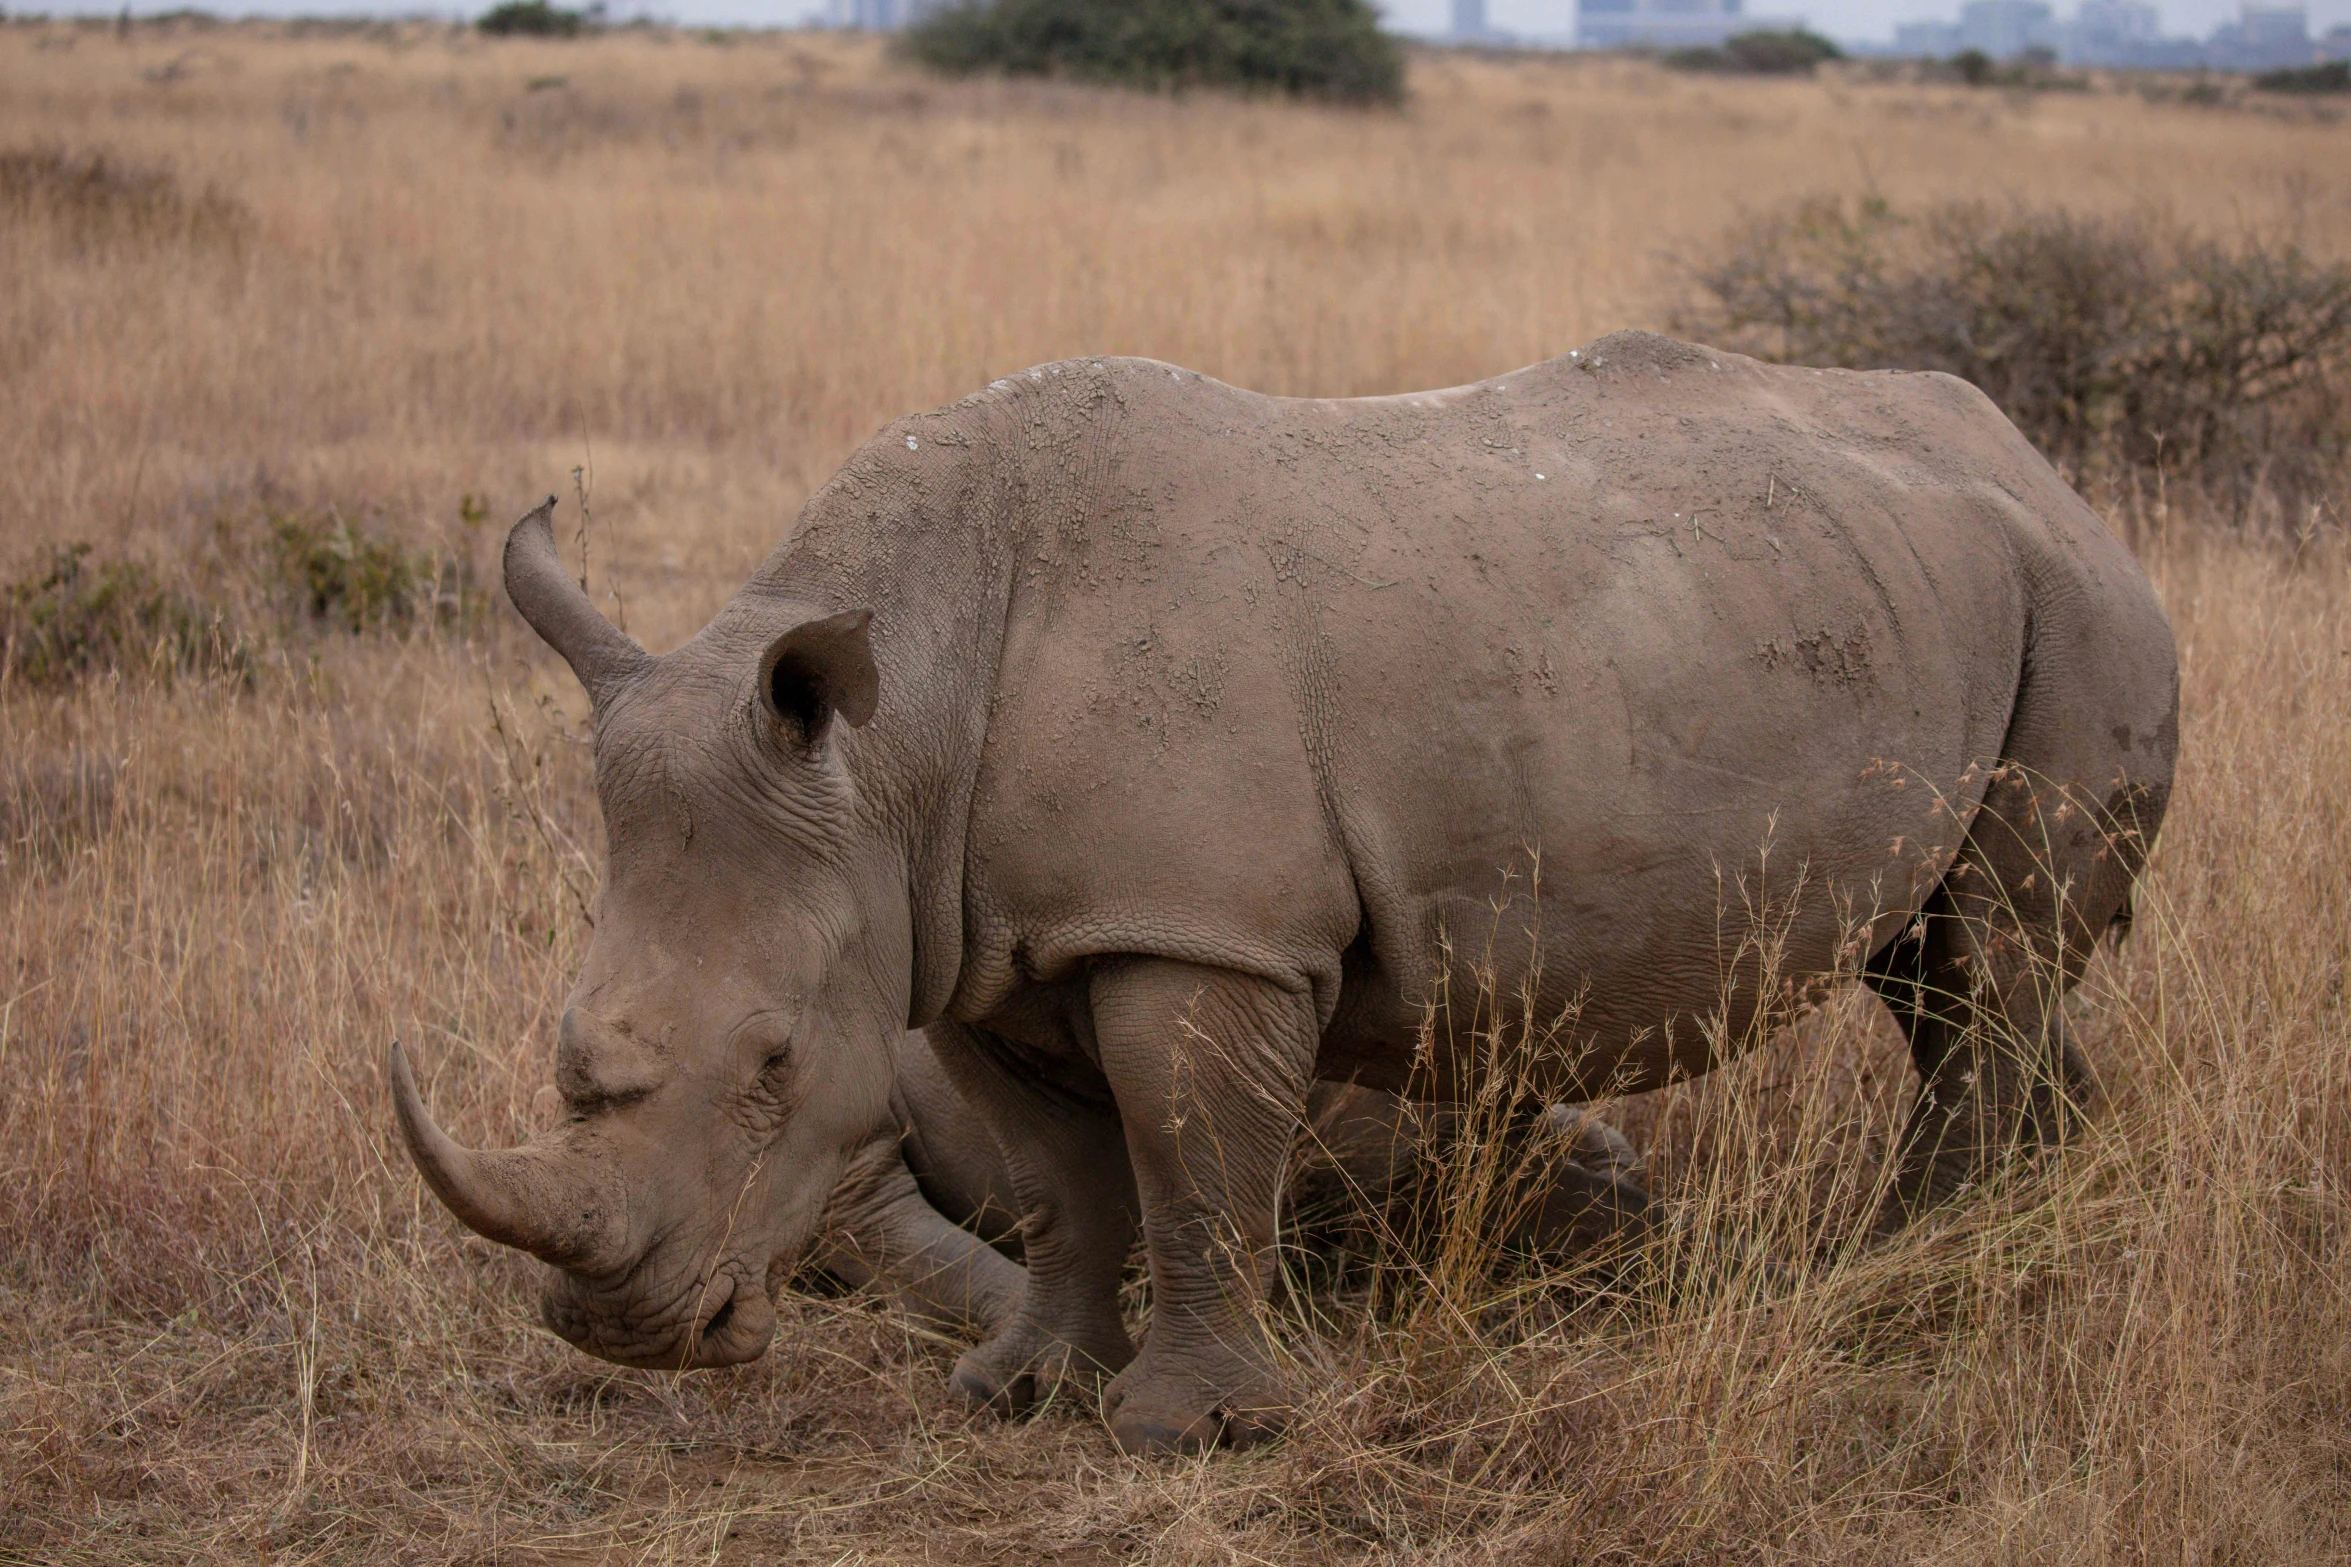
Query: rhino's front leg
x=880, y=1230
x=1211, y=1070
x=1076, y=1192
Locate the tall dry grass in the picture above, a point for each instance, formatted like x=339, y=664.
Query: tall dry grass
x=231, y=1326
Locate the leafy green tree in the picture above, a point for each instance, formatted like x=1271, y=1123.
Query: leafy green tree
x=532, y=19
x=1314, y=48
x=1761, y=53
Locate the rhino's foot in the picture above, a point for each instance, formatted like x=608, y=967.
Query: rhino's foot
x=1191, y=1401
x=1592, y=1143
x=1027, y=1365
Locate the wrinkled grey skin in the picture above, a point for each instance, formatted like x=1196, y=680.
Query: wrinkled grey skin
x=1163, y=747
x=927, y=1212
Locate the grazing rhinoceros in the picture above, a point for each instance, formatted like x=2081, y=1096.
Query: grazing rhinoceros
x=1164, y=746
x=926, y=1210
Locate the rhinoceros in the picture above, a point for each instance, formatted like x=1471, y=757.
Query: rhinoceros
x=1162, y=747
x=926, y=1212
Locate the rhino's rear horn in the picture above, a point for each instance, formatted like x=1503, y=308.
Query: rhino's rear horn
x=559, y=609
x=541, y=1199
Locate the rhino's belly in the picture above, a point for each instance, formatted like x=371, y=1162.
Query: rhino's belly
x=1615, y=963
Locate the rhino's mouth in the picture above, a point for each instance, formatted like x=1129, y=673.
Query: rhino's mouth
x=723, y=1319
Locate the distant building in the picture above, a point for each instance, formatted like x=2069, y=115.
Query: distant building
x=882, y=16
x=2005, y=29
x=2104, y=30
x=2279, y=27
x=1470, y=25
x=2262, y=38
x=1669, y=24
x=2125, y=34
x=1927, y=40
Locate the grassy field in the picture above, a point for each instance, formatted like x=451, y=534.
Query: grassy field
x=435, y=275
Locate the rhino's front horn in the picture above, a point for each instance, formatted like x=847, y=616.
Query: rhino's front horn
x=559, y=609
x=538, y=1199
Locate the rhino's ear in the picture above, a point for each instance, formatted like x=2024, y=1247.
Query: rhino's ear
x=818, y=669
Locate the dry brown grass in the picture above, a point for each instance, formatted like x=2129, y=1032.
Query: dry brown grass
x=232, y=1327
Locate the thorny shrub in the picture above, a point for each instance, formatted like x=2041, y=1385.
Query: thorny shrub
x=349, y=577
x=74, y=613
x=2124, y=347
x=69, y=616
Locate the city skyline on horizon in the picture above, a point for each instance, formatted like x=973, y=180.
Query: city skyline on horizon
x=1856, y=20
x=1861, y=21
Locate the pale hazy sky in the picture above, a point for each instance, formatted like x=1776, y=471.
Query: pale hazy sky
x=1857, y=19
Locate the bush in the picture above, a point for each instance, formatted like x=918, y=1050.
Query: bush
x=1763, y=53
x=2122, y=344
x=1331, y=49
x=533, y=19
x=69, y=618
x=335, y=573
x=75, y=614
x=2035, y=70
x=2334, y=76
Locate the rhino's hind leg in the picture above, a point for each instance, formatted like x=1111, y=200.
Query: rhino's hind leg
x=1590, y=1197
x=1211, y=1069
x=1076, y=1192
x=1376, y=1172
x=1978, y=980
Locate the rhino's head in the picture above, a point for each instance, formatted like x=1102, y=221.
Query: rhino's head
x=730, y=1036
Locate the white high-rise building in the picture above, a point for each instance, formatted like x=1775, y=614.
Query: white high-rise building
x=2275, y=27
x=2005, y=29
x=1669, y=24
x=881, y=16
x=1927, y=40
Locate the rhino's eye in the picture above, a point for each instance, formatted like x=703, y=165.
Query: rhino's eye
x=772, y=1088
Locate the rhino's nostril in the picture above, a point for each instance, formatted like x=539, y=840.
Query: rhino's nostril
x=719, y=1319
